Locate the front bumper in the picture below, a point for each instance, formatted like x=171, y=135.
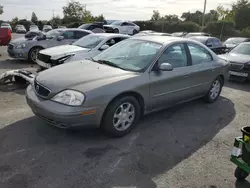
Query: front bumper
x=18, y=53
x=241, y=72
x=60, y=115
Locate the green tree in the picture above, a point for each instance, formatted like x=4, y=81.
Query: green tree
x=74, y=9
x=195, y=17
x=56, y=21
x=171, y=18
x=1, y=9
x=156, y=15
x=34, y=18
x=99, y=18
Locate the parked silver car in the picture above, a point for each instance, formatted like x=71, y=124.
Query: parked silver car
x=20, y=29
x=239, y=62
x=137, y=76
x=28, y=48
x=123, y=27
x=85, y=47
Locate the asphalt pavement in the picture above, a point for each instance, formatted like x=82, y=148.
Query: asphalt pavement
x=187, y=146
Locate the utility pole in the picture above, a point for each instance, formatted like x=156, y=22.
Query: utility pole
x=204, y=12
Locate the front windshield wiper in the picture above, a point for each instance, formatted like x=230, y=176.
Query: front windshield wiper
x=105, y=62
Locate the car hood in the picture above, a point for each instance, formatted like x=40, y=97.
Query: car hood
x=63, y=50
x=238, y=58
x=109, y=26
x=81, y=75
x=230, y=45
x=20, y=40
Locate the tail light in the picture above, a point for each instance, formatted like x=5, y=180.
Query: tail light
x=9, y=35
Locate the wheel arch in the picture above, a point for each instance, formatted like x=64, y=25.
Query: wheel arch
x=134, y=94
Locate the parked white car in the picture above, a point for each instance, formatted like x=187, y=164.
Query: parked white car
x=122, y=27
x=86, y=47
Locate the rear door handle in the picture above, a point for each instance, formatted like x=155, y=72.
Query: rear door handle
x=213, y=70
x=186, y=76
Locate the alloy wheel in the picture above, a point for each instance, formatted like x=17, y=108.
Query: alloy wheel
x=124, y=116
x=215, y=90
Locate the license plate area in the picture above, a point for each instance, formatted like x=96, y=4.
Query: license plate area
x=242, y=74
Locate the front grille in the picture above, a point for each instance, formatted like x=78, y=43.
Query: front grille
x=41, y=90
x=10, y=46
x=44, y=58
x=235, y=66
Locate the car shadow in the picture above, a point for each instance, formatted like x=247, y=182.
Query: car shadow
x=242, y=184
x=9, y=64
x=243, y=86
x=36, y=154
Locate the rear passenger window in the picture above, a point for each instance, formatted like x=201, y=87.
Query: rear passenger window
x=80, y=34
x=199, y=54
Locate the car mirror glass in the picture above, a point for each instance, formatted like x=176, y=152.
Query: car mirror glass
x=166, y=67
x=104, y=47
x=59, y=38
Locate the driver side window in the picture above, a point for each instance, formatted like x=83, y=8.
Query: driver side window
x=175, y=55
x=68, y=35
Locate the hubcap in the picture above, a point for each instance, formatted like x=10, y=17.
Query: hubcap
x=124, y=116
x=34, y=54
x=214, y=92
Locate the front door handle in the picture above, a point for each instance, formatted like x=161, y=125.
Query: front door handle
x=186, y=76
x=213, y=70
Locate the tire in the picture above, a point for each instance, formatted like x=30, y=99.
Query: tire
x=116, y=31
x=214, y=91
x=110, y=123
x=31, y=53
x=135, y=32
x=240, y=174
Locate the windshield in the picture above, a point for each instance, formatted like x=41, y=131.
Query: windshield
x=54, y=33
x=243, y=49
x=234, y=40
x=84, y=26
x=134, y=55
x=116, y=23
x=90, y=41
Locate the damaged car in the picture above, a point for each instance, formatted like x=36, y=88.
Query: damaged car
x=137, y=76
x=85, y=47
x=28, y=48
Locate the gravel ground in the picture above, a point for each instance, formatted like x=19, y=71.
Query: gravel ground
x=187, y=146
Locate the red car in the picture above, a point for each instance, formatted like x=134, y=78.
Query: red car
x=5, y=36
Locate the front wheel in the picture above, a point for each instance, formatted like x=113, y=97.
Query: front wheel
x=33, y=54
x=135, y=32
x=240, y=174
x=214, y=91
x=120, y=116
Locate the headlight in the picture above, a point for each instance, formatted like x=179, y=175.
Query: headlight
x=69, y=97
x=63, y=59
x=21, y=46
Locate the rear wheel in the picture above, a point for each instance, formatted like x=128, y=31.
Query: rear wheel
x=121, y=116
x=240, y=174
x=116, y=31
x=33, y=54
x=214, y=91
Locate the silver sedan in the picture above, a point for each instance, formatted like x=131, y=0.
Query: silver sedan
x=135, y=77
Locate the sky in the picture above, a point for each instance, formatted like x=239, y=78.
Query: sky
x=111, y=9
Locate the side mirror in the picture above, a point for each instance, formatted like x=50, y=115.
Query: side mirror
x=104, y=47
x=59, y=38
x=165, y=67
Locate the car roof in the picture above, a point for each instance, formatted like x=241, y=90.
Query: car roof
x=203, y=37
x=245, y=43
x=111, y=34
x=162, y=39
x=74, y=29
